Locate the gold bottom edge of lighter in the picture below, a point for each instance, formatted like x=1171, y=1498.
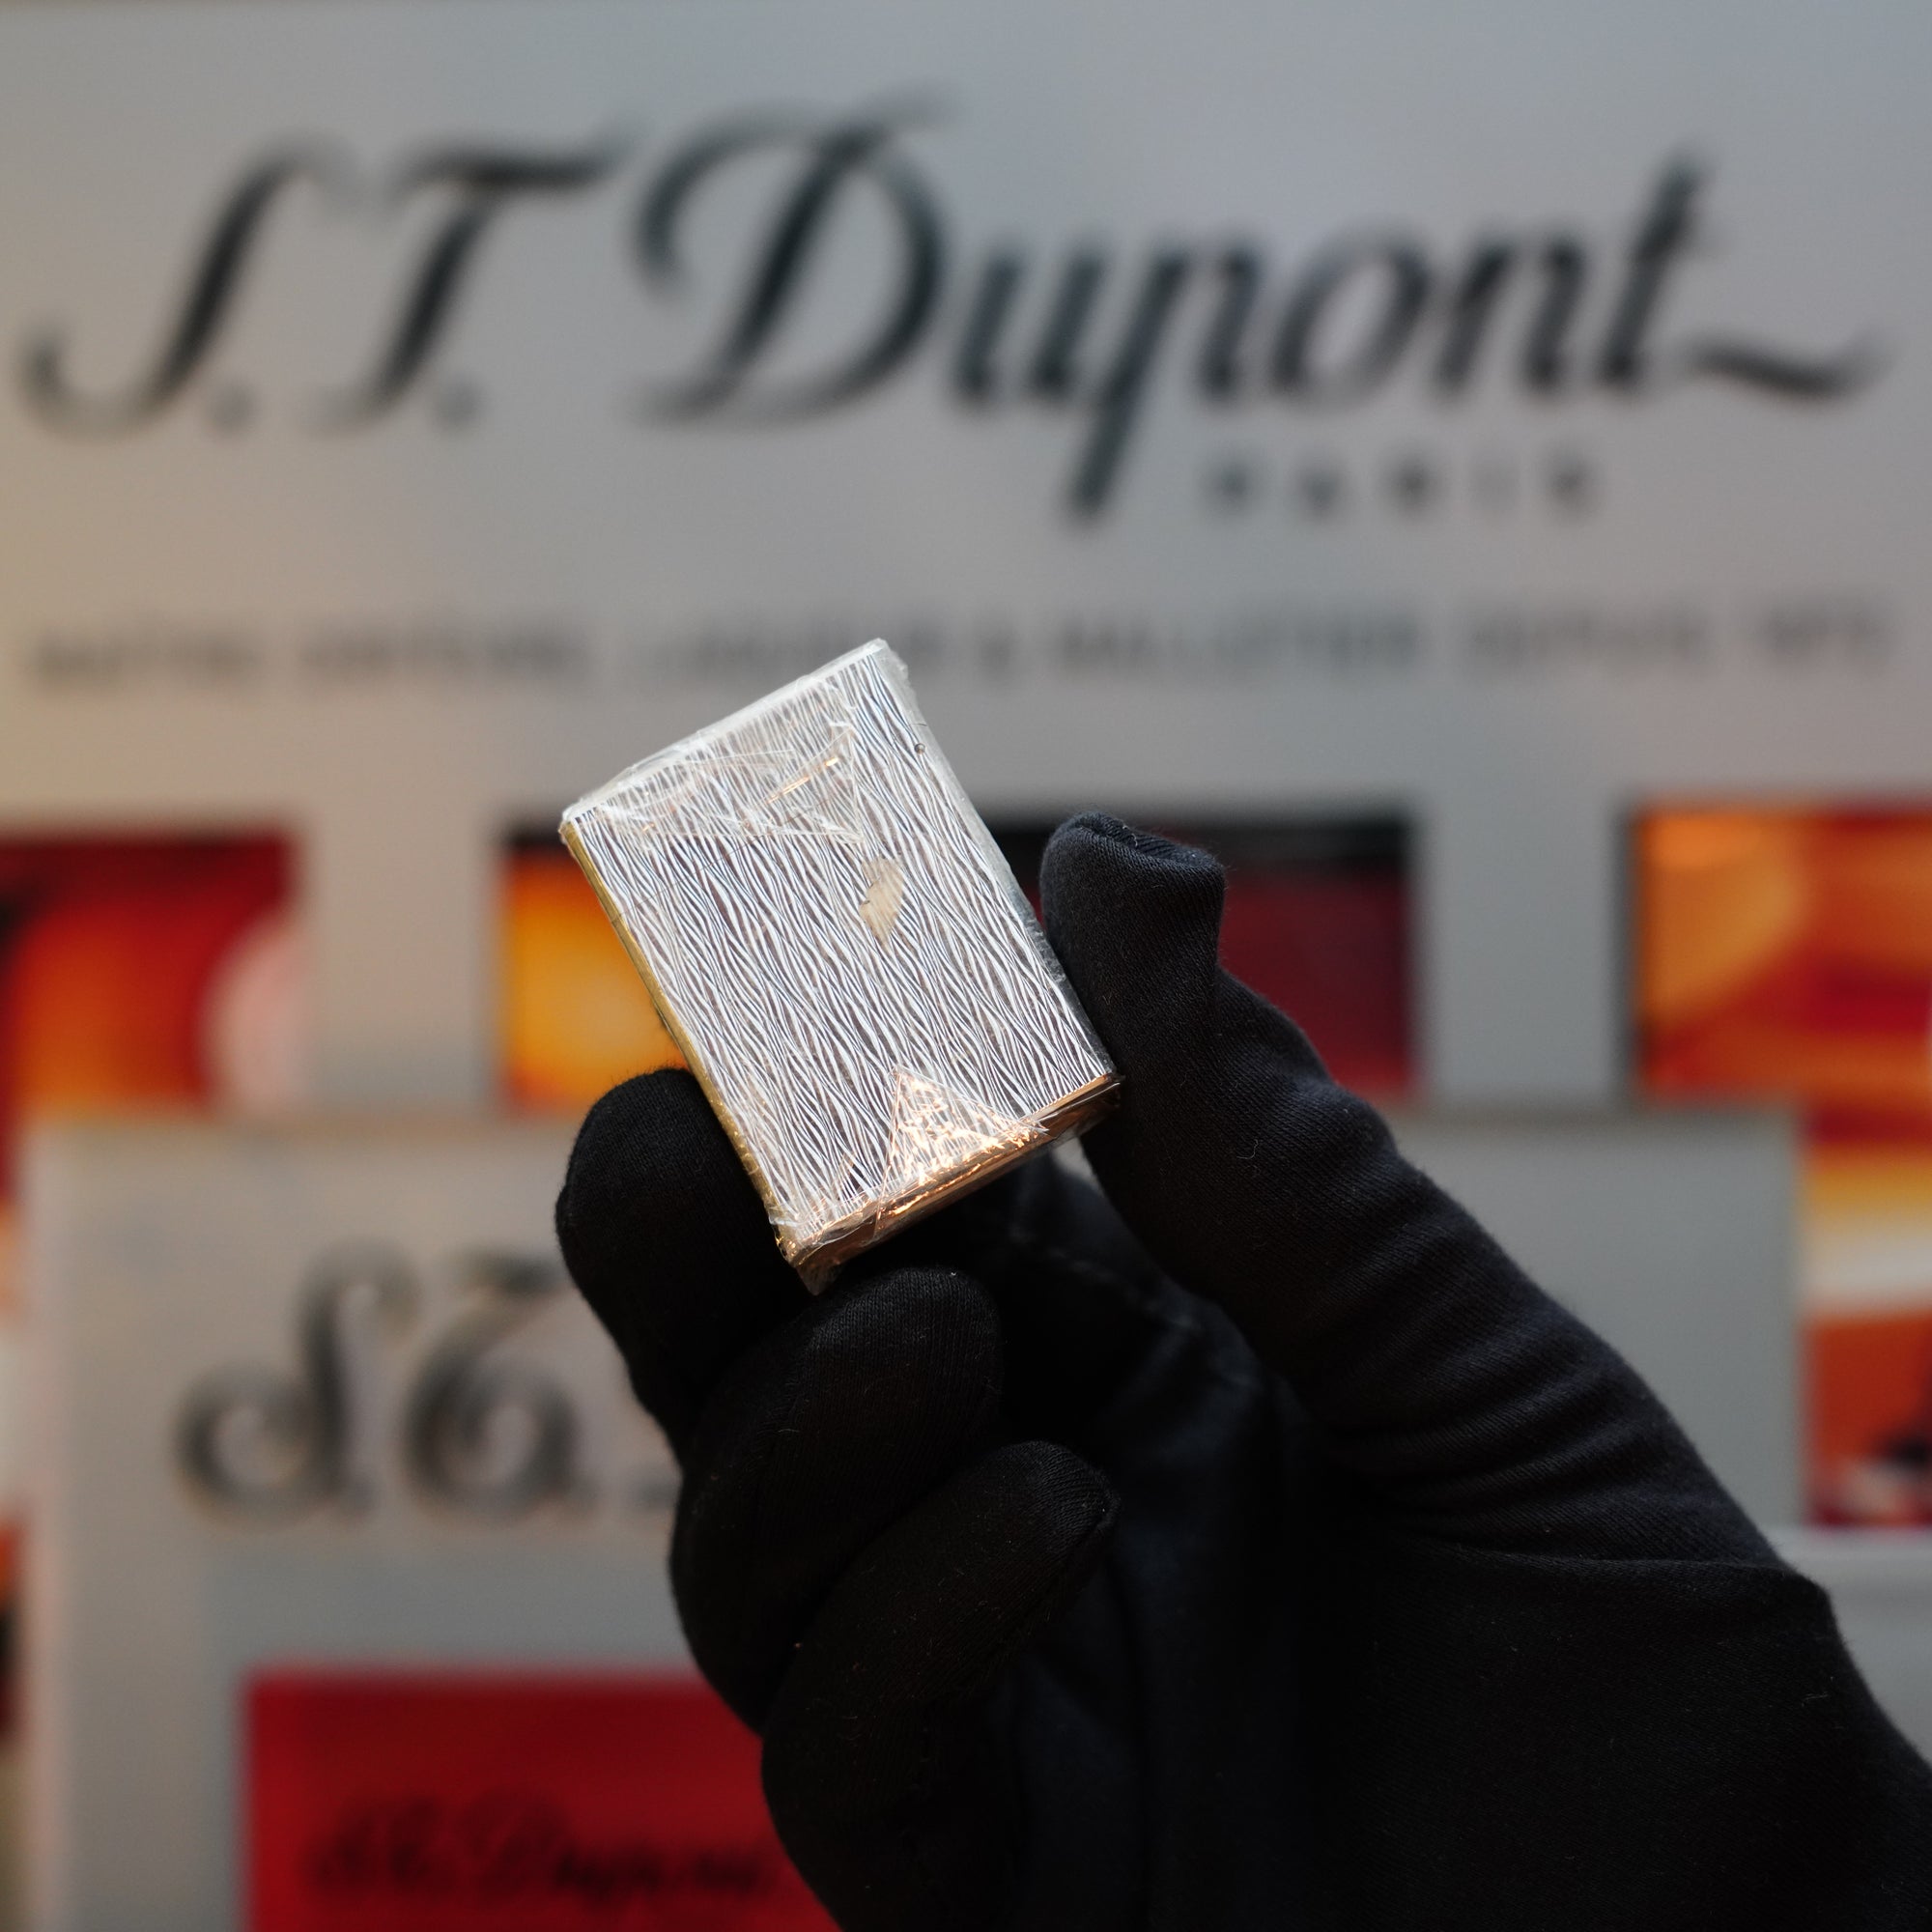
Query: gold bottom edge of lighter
x=820, y=1258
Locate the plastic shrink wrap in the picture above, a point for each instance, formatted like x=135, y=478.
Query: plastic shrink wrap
x=843, y=957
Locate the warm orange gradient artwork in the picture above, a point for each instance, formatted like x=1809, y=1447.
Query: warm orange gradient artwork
x=137, y=971
x=1787, y=955
x=576, y=1018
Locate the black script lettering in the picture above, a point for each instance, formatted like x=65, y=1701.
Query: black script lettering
x=833, y=159
x=507, y=1848
x=1055, y=375
x=484, y=183
x=1241, y=272
x=1403, y=268
x=461, y=1402
x=1119, y=391
x=1664, y=237
x=1473, y=302
x=976, y=365
x=1666, y=234
x=268, y=1445
x=1064, y=369
x=211, y=288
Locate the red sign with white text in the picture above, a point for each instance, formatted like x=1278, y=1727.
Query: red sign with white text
x=461, y=1801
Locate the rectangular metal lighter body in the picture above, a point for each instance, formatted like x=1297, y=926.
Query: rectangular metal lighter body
x=842, y=956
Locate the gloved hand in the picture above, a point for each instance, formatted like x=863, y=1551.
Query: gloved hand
x=1262, y=1550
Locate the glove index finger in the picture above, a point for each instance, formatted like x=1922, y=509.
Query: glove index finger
x=665, y=1236
x=1136, y=920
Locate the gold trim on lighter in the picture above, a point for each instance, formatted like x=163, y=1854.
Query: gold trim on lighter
x=837, y=945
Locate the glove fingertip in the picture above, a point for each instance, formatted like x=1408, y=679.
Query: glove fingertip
x=663, y=1232
x=1136, y=920
x=645, y=1146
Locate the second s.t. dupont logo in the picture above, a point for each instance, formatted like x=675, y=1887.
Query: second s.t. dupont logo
x=749, y=219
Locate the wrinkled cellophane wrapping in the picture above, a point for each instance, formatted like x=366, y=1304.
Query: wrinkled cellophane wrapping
x=843, y=957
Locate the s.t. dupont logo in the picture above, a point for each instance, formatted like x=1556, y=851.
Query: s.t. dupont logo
x=468, y=1422
x=750, y=220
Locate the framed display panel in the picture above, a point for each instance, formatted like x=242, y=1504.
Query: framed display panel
x=1784, y=952
x=315, y=1401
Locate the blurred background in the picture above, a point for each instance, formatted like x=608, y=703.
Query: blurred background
x=1469, y=475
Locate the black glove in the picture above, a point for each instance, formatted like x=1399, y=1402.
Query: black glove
x=1289, y=1560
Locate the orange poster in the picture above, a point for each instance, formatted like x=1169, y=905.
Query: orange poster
x=1786, y=954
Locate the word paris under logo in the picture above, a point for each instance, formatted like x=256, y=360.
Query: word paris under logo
x=753, y=218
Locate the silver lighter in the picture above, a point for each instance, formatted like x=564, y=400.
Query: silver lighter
x=843, y=957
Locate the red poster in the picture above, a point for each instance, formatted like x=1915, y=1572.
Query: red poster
x=463, y=1801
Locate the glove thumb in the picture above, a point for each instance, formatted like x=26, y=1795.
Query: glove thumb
x=1435, y=1370
x=1136, y=920
x=1224, y=1099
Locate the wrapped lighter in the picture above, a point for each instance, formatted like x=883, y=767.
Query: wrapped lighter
x=842, y=956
